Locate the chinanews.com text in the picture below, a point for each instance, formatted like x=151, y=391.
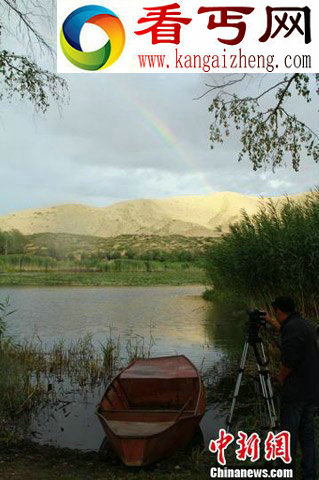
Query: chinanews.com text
x=225, y=472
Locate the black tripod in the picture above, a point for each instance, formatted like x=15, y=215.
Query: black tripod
x=254, y=340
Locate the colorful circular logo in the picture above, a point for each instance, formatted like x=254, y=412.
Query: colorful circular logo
x=103, y=18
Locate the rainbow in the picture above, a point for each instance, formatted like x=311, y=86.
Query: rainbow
x=166, y=137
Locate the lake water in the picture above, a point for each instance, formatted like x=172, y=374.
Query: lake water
x=180, y=321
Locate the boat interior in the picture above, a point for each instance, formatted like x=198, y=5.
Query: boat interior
x=146, y=407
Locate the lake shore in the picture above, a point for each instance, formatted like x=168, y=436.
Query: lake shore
x=28, y=461
x=192, y=276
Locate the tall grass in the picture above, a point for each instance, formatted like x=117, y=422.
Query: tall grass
x=273, y=252
x=4, y=313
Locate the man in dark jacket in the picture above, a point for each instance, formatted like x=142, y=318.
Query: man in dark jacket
x=299, y=377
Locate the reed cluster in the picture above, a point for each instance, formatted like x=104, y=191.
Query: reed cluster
x=275, y=252
x=31, y=374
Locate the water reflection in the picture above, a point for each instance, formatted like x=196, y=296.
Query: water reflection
x=225, y=328
x=178, y=317
x=71, y=422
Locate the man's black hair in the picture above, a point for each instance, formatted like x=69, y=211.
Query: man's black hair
x=285, y=304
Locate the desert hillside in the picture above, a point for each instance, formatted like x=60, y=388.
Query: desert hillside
x=192, y=216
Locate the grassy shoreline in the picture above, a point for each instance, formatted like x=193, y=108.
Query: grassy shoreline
x=192, y=276
x=29, y=461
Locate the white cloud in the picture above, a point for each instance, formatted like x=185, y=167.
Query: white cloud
x=125, y=137
x=276, y=184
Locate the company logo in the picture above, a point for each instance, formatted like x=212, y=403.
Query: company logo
x=71, y=31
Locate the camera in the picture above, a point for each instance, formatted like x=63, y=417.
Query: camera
x=257, y=317
x=255, y=322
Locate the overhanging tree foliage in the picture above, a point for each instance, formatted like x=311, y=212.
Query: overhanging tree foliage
x=270, y=132
x=20, y=75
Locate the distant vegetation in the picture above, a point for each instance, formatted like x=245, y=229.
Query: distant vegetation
x=12, y=242
x=133, y=247
x=63, y=255
x=271, y=253
x=186, y=276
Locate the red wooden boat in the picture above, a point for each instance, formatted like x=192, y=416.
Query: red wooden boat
x=152, y=408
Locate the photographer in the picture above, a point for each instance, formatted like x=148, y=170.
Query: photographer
x=299, y=377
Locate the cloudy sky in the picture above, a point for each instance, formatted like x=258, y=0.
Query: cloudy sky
x=124, y=137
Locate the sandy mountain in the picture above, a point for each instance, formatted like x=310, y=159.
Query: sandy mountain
x=201, y=215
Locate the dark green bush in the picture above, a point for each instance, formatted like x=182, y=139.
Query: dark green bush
x=273, y=252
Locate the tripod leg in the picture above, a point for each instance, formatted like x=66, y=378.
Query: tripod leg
x=269, y=388
x=266, y=388
x=237, y=386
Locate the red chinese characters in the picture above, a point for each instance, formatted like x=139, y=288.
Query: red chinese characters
x=220, y=445
x=224, y=21
x=166, y=23
x=249, y=447
x=278, y=446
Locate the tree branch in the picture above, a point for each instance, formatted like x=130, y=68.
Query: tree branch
x=267, y=137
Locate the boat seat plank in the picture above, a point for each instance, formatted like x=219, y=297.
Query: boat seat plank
x=137, y=429
x=148, y=411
